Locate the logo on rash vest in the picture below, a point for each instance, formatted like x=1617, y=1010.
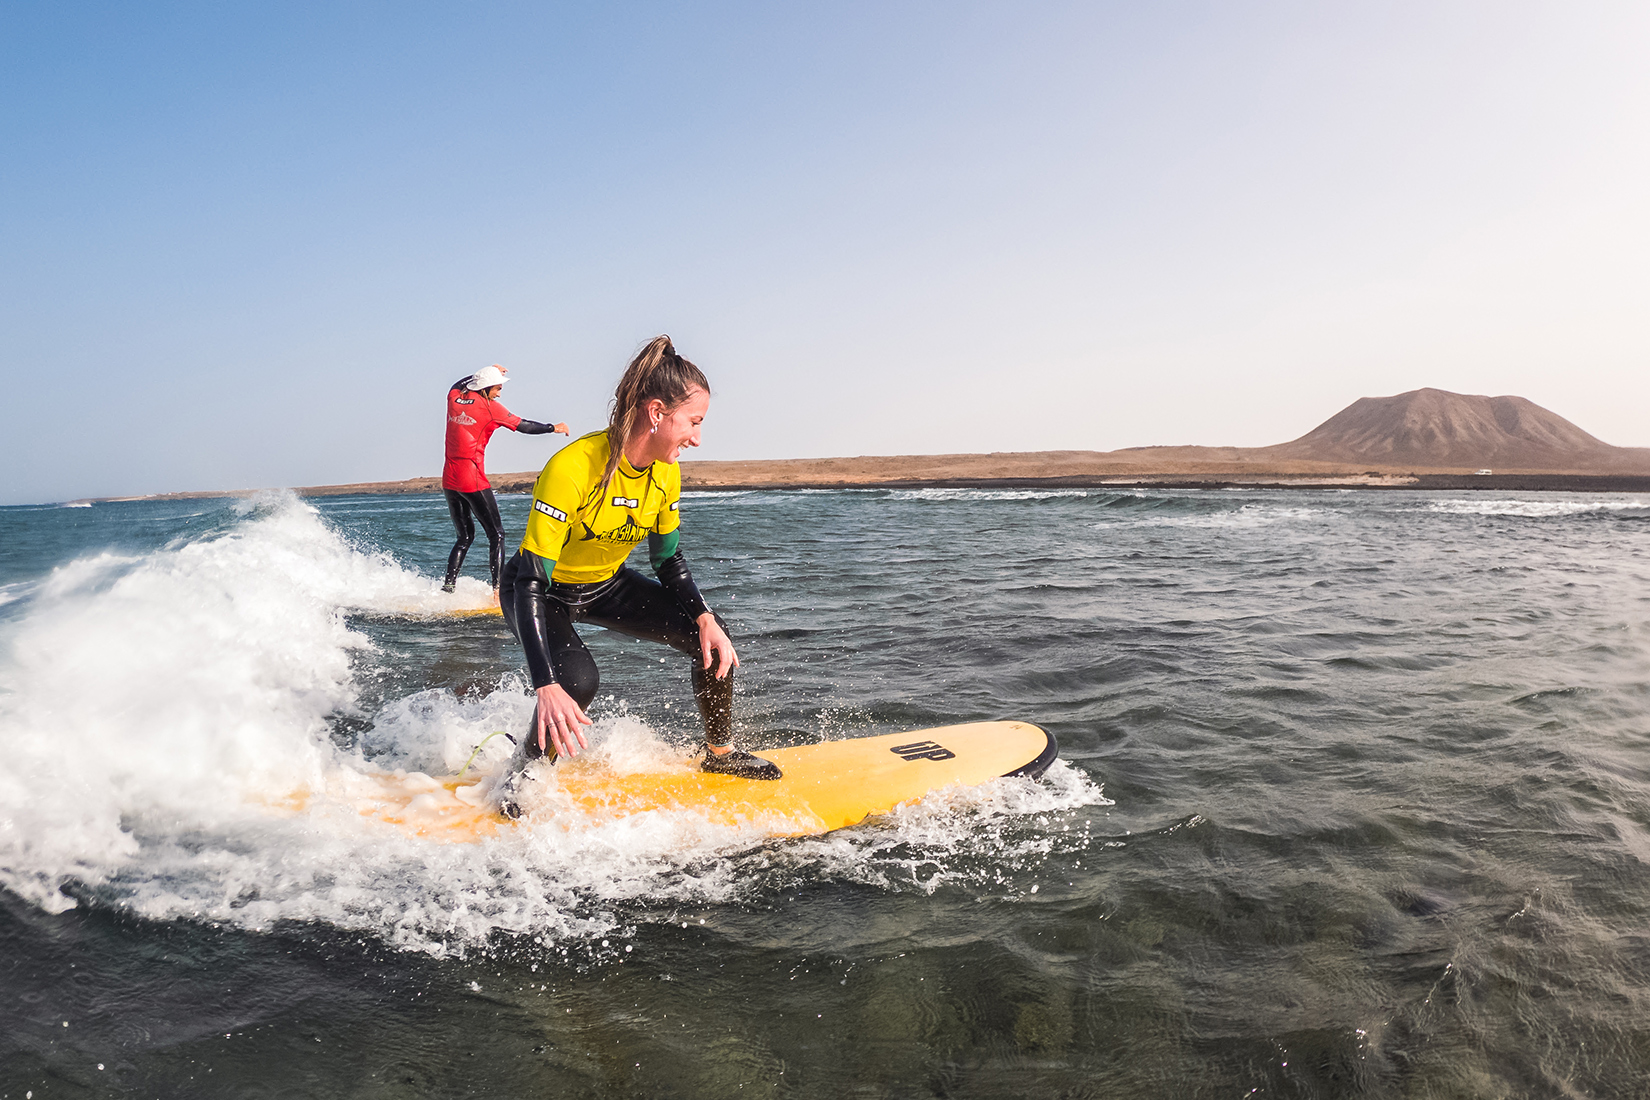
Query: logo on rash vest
x=462, y=418
x=674, y=505
x=553, y=513
x=627, y=535
x=922, y=750
x=626, y=502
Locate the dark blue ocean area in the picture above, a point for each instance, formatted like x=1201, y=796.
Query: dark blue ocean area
x=1353, y=800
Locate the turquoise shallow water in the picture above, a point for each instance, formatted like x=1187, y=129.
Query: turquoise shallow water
x=1353, y=803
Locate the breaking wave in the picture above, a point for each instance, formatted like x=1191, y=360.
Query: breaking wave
x=168, y=721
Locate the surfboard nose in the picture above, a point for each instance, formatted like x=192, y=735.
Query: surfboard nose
x=1037, y=766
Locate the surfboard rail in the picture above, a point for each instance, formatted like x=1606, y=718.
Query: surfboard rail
x=1035, y=768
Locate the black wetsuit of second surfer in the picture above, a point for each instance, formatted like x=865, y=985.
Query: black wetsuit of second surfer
x=466, y=509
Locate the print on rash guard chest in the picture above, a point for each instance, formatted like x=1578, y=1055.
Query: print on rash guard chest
x=471, y=421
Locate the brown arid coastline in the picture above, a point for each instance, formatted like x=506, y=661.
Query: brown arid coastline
x=1424, y=439
x=1028, y=470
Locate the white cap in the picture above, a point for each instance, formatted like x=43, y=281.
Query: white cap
x=485, y=378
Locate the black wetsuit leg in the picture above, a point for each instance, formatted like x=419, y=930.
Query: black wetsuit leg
x=644, y=608
x=544, y=626
x=481, y=506
x=486, y=506
x=459, y=508
x=628, y=603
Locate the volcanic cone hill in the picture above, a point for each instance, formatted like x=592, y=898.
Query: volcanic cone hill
x=1436, y=428
x=1426, y=431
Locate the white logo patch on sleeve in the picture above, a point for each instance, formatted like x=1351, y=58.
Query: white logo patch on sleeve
x=675, y=504
x=553, y=513
x=626, y=502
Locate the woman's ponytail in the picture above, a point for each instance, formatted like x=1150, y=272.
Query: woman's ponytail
x=656, y=372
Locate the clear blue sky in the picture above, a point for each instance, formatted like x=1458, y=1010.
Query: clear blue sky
x=250, y=245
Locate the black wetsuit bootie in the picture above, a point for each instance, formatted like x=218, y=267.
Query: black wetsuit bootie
x=516, y=777
x=739, y=763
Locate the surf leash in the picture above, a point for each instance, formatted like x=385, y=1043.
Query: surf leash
x=473, y=755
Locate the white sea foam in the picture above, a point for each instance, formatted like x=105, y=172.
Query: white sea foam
x=957, y=836
x=435, y=731
x=985, y=494
x=731, y=498
x=158, y=713
x=840, y=489
x=758, y=497
x=1536, y=508
x=1244, y=517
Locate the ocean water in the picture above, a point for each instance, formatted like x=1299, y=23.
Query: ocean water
x=1353, y=800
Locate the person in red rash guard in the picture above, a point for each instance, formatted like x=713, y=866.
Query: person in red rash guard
x=473, y=415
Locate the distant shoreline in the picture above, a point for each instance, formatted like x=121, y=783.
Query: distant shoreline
x=1422, y=439
x=1033, y=470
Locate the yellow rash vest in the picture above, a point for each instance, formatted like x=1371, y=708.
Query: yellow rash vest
x=589, y=534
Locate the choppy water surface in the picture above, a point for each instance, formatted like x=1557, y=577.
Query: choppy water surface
x=1354, y=800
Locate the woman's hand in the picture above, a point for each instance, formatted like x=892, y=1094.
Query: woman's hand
x=713, y=639
x=559, y=718
x=560, y=429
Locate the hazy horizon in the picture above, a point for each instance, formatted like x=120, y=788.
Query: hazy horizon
x=249, y=248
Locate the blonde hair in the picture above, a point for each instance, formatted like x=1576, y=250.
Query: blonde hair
x=657, y=372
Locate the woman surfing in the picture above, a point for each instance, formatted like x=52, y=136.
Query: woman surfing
x=595, y=500
x=473, y=415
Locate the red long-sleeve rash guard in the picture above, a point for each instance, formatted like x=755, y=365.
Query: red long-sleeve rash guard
x=471, y=421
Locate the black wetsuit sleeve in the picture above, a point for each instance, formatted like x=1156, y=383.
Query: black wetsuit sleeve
x=673, y=574
x=533, y=427
x=530, y=592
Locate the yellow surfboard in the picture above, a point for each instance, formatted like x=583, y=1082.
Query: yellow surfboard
x=825, y=786
x=418, y=611
x=472, y=612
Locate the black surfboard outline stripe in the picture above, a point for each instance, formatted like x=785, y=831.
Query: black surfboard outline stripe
x=1040, y=765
